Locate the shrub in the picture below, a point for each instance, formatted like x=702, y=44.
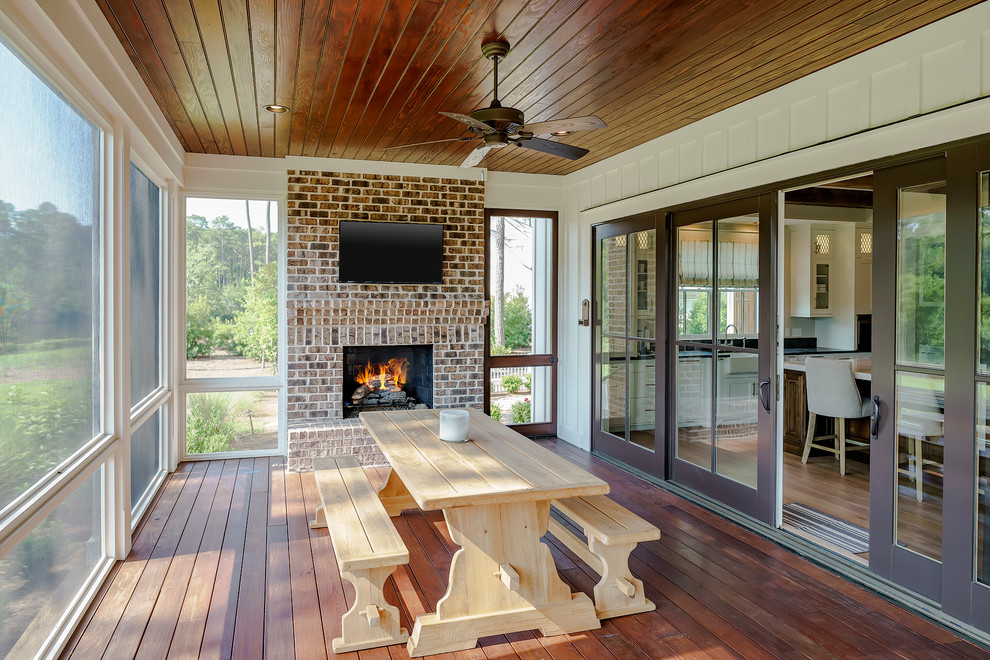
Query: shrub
x=511, y=383
x=200, y=328
x=499, y=349
x=496, y=413
x=38, y=552
x=40, y=426
x=211, y=422
x=521, y=412
x=528, y=382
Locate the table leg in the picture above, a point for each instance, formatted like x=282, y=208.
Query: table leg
x=503, y=579
x=395, y=496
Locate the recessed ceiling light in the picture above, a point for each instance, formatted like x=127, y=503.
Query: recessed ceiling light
x=561, y=133
x=276, y=108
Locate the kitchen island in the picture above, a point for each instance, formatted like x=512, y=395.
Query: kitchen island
x=795, y=400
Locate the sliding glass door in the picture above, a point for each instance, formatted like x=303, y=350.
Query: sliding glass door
x=721, y=382
x=931, y=380
x=626, y=317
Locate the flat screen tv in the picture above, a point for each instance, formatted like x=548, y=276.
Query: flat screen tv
x=391, y=252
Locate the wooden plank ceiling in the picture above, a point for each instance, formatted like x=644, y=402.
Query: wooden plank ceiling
x=362, y=75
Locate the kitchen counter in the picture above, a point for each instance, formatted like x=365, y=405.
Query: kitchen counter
x=862, y=364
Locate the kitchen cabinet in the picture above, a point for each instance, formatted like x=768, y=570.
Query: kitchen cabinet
x=864, y=270
x=642, y=394
x=812, y=263
x=694, y=386
x=736, y=389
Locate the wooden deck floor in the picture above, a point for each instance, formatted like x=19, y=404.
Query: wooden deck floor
x=225, y=566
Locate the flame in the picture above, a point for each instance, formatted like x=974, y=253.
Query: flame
x=390, y=376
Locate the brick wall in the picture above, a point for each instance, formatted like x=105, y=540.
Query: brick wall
x=325, y=315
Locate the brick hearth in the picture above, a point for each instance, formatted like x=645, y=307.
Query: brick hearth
x=325, y=315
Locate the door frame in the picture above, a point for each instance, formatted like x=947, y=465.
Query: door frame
x=906, y=567
x=532, y=360
x=651, y=462
x=759, y=502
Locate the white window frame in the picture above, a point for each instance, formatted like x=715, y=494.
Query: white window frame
x=102, y=452
x=160, y=399
x=196, y=385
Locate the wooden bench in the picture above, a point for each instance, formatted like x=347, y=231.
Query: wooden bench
x=612, y=532
x=368, y=548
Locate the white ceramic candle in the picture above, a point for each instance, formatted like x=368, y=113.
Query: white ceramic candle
x=454, y=425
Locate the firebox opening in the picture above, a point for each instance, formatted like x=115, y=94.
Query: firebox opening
x=387, y=378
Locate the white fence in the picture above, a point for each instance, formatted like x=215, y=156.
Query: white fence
x=497, y=374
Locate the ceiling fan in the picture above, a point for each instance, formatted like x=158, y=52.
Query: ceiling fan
x=496, y=127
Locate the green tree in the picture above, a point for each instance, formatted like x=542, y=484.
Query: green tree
x=518, y=320
x=256, y=326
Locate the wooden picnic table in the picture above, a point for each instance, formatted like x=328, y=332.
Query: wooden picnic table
x=495, y=493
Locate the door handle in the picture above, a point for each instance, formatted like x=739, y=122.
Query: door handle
x=764, y=399
x=875, y=417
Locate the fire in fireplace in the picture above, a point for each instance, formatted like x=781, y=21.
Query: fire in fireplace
x=387, y=378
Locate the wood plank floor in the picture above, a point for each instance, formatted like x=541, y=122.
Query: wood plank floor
x=225, y=566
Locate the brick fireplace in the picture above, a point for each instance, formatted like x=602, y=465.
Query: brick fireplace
x=325, y=315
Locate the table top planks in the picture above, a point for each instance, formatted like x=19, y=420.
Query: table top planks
x=496, y=466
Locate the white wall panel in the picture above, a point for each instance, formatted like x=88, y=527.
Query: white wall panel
x=584, y=193
x=890, y=94
x=742, y=143
x=807, y=122
x=630, y=179
x=649, y=173
x=847, y=109
x=714, y=155
x=984, y=63
x=771, y=133
x=613, y=185
x=690, y=159
x=598, y=189
x=670, y=168
x=943, y=77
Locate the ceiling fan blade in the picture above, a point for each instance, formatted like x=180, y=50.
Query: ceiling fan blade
x=465, y=138
x=470, y=121
x=573, y=124
x=568, y=151
x=475, y=156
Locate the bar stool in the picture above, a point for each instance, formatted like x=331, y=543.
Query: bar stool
x=832, y=392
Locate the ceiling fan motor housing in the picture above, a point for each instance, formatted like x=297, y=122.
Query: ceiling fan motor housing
x=508, y=120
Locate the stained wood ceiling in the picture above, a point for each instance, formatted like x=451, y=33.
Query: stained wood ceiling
x=362, y=75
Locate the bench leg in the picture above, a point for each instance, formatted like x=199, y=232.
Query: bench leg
x=371, y=622
x=618, y=593
x=319, y=521
x=395, y=496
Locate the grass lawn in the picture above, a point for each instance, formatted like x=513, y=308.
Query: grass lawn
x=45, y=413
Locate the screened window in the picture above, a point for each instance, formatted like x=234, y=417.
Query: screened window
x=146, y=285
x=50, y=265
x=232, y=338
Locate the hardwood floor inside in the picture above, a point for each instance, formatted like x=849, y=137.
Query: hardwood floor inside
x=819, y=485
x=225, y=566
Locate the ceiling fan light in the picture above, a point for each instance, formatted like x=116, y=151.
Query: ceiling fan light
x=276, y=108
x=561, y=133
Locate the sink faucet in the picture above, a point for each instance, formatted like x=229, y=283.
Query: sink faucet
x=734, y=329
